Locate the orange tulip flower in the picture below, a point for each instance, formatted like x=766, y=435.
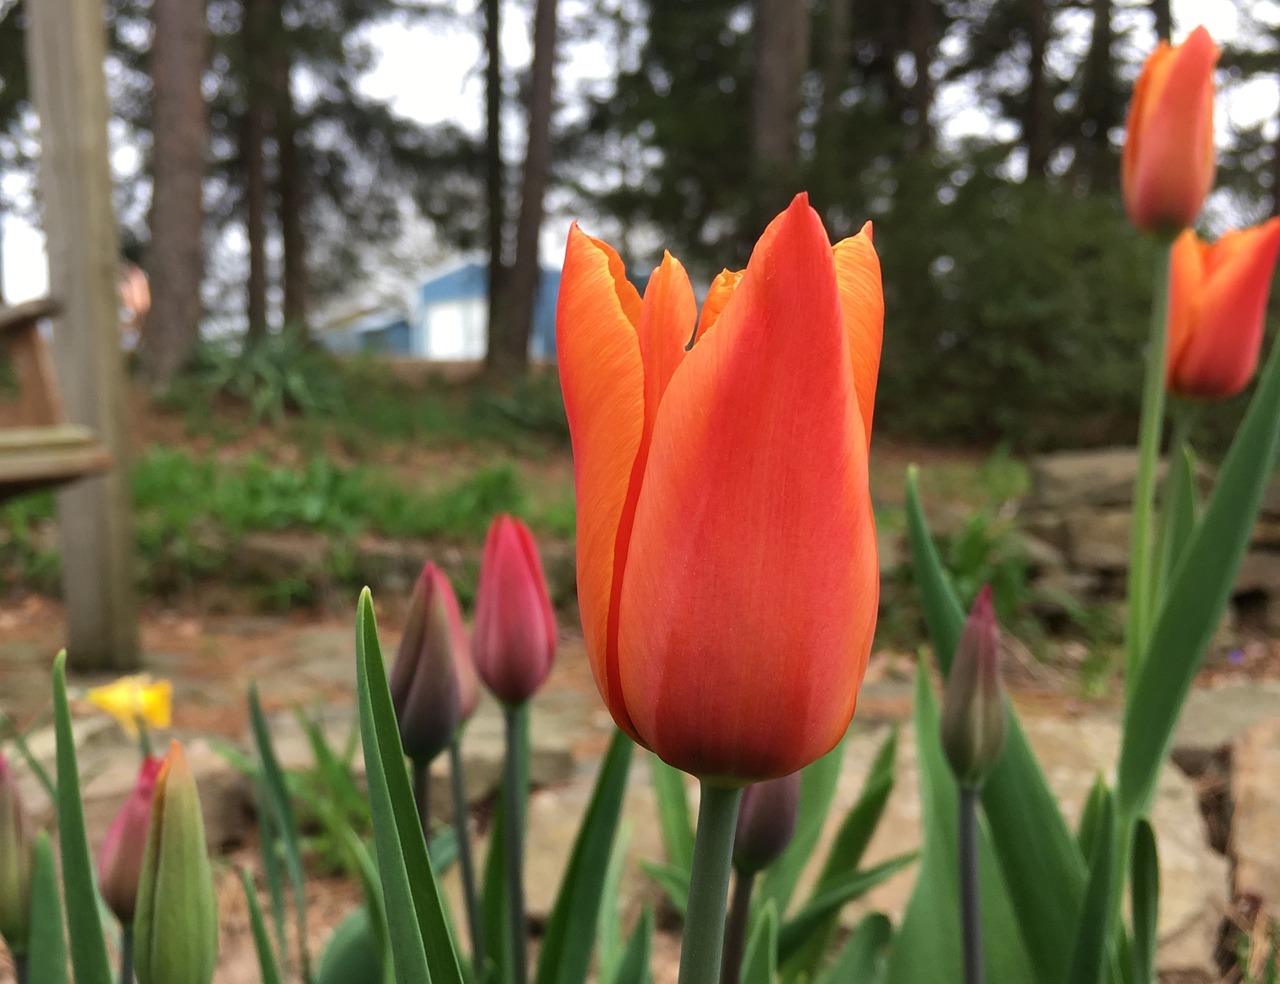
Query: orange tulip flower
x=1168, y=163
x=727, y=571
x=1217, y=306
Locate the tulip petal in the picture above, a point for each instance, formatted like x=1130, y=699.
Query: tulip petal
x=750, y=591
x=1186, y=280
x=602, y=377
x=862, y=303
x=722, y=289
x=667, y=320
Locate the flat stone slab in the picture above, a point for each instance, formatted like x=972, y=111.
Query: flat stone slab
x=1217, y=716
x=1255, y=827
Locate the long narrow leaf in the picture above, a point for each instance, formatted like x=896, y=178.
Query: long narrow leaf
x=817, y=790
x=47, y=951
x=1031, y=838
x=609, y=942
x=862, y=961
x=673, y=881
x=760, y=960
x=570, y=933
x=261, y=938
x=415, y=917
x=269, y=847
x=1177, y=515
x=673, y=812
x=634, y=967
x=1146, y=903
x=88, y=949
x=1197, y=596
x=1089, y=959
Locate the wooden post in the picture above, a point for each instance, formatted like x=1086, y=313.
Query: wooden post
x=65, y=52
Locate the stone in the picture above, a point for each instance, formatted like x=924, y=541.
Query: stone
x=1042, y=557
x=1098, y=540
x=1255, y=822
x=1216, y=716
x=1084, y=478
x=282, y=556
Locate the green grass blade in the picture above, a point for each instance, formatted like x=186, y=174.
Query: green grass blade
x=1089, y=960
x=415, y=922
x=1031, y=838
x=673, y=812
x=79, y=888
x=12, y=732
x=261, y=938
x=570, y=932
x=634, y=966
x=1145, y=887
x=817, y=790
x=862, y=960
x=47, y=948
x=1198, y=593
x=760, y=959
x=825, y=906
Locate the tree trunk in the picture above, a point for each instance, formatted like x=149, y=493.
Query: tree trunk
x=781, y=38
x=1036, y=133
x=495, y=201
x=180, y=136
x=291, y=195
x=509, y=350
x=922, y=32
x=1163, y=15
x=1097, y=166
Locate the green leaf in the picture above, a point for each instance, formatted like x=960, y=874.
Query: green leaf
x=284, y=824
x=495, y=904
x=415, y=913
x=927, y=945
x=673, y=881
x=1198, y=593
x=1089, y=960
x=261, y=939
x=760, y=959
x=1030, y=836
x=1091, y=818
x=79, y=887
x=862, y=961
x=826, y=905
x=609, y=941
x=570, y=933
x=846, y=852
x=1178, y=514
x=817, y=790
x=634, y=966
x=1146, y=903
x=673, y=812
x=47, y=947
x=352, y=955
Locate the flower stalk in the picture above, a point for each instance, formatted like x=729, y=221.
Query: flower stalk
x=704, y=922
x=466, y=866
x=735, y=934
x=514, y=793
x=970, y=892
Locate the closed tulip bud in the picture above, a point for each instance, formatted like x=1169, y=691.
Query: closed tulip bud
x=15, y=863
x=766, y=823
x=1217, y=307
x=514, y=640
x=1168, y=162
x=973, y=713
x=433, y=683
x=120, y=857
x=176, y=926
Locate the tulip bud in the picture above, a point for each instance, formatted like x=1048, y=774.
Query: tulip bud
x=120, y=857
x=176, y=927
x=973, y=704
x=514, y=640
x=1168, y=161
x=433, y=682
x=15, y=863
x=766, y=823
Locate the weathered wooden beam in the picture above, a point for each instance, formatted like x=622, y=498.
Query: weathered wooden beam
x=65, y=54
x=33, y=458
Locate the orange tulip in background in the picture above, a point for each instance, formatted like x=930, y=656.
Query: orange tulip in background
x=727, y=571
x=1217, y=306
x=1168, y=163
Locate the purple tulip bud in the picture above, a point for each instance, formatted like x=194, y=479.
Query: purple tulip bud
x=766, y=822
x=973, y=712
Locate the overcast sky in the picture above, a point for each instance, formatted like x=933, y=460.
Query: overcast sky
x=430, y=74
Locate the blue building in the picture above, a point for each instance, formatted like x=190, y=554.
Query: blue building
x=447, y=321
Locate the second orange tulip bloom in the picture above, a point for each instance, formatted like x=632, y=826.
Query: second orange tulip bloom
x=727, y=570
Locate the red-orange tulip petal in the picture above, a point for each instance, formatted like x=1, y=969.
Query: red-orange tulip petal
x=862, y=305
x=751, y=584
x=722, y=289
x=1217, y=308
x=1168, y=161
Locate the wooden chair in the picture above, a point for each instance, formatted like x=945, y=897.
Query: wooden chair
x=43, y=451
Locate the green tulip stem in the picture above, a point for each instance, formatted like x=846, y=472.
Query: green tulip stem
x=970, y=892
x=465, y=864
x=422, y=796
x=1138, y=627
x=703, y=945
x=735, y=934
x=144, y=738
x=126, y=953
x=513, y=796
x=1182, y=414
x=21, y=968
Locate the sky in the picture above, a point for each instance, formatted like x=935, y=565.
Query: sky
x=430, y=74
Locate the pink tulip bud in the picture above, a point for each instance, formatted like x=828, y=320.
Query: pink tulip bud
x=514, y=640
x=766, y=822
x=973, y=710
x=120, y=857
x=15, y=863
x=433, y=681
